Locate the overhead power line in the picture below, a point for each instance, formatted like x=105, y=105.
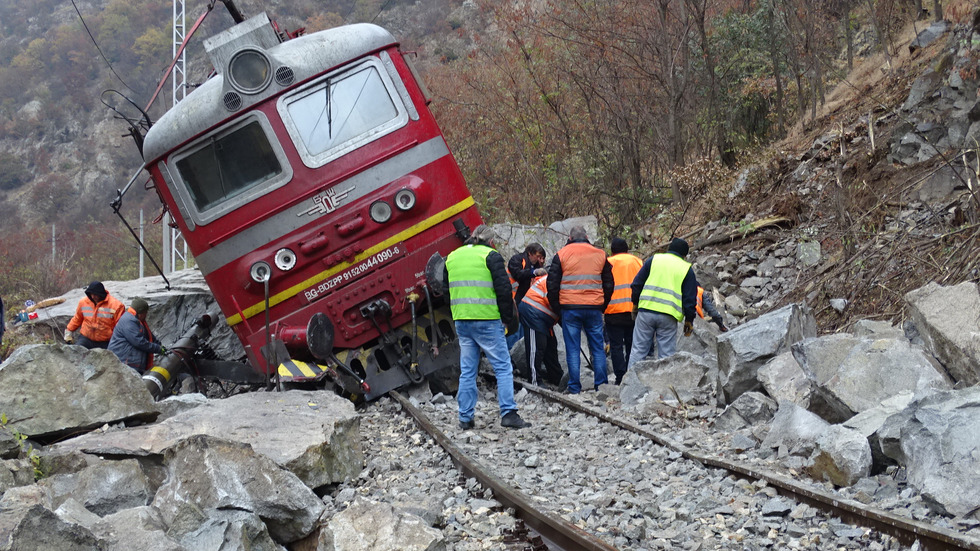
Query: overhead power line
x=80, y=18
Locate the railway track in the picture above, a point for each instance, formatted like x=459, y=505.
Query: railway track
x=582, y=479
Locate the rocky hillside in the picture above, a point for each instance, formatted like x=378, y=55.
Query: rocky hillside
x=874, y=198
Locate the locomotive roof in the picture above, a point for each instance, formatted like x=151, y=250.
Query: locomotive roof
x=307, y=56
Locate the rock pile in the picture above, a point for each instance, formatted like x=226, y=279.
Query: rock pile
x=847, y=405
x=238, y=473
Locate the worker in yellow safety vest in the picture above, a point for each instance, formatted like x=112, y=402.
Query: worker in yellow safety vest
x=619, y=313
x=664, y=292
x=482, y=307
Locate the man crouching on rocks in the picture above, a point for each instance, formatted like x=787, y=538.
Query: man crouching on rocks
x=132, y=341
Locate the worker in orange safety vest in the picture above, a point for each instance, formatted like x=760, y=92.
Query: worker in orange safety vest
x=540, y=342
x=580, y=286
x=619, y=313
x=95, y=317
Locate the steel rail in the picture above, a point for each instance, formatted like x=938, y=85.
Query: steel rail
x=906, y=530
x=552, y=528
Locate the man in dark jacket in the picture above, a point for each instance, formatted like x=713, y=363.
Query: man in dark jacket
x=132, y=342
x=482, y=306
x=664, y=292
x=580, y=285
x=522, y=269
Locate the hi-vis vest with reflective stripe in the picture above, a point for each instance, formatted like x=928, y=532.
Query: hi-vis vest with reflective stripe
x=581, y=280
x=662, y=290
x=624, y=268
x=700, y=306
x=96, y=321
x=471, y=294
x=537, y=297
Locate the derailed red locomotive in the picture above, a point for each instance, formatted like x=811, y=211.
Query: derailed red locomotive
x=313, y=185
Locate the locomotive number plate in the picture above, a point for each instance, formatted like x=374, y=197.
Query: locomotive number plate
x=355, y=271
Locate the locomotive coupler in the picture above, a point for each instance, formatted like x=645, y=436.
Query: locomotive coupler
x=379, y=308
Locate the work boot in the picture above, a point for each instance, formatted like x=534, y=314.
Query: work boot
x=467, y=425
x=514, y=421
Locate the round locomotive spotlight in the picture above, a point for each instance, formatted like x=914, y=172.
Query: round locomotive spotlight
x=260, y=272
x=285, y=259
x=250, y=71
x=405, y=199
x=380, y=212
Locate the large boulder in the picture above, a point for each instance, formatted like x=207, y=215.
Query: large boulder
x=172, y=311
x=104, y=488
x=682, y=375
x=870, y=422
x=744, y=349
x=321, y=446
x=50, y=390
x=842, y=456
x=852, y=375
x=212, y=478
x=513, y=238
x=937, y=441
x=751, y=408
x=947, y=320
x=794, y=430
x=371, y=526
x=784, y=380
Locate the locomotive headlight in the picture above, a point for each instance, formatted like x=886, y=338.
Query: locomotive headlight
x=250, y=71
x=380, y=212
x=405, y=199
x=260, y=272
x=285, y=259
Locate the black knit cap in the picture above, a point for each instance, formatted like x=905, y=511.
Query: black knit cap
x=619, y=246
x=678, y=246
x=95, y=288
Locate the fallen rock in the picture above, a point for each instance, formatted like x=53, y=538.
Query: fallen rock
x=81, y=390
x=744, y=349
x=172, y=311
x=935, y=439
x=371, y=526
x=322, y=445
x=751, y=408
x=104, y=488
x=794, y=430
x=688, y=375
x=210, y=477
x=842, y=456
x=870, y=422
x=784, y=380
x=946, y=318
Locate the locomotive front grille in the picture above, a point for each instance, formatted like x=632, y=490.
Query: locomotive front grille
x=233, y=101
x=285, y=76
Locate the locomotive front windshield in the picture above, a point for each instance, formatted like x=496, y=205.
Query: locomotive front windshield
x=228, y=165
x=342, y=112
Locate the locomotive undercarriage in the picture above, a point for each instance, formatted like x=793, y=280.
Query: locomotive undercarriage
x=394, y=360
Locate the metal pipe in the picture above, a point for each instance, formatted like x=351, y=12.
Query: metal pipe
x=160, y=378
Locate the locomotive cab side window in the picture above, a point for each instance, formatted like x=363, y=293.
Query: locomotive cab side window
x=342, y=112
x=229, y=168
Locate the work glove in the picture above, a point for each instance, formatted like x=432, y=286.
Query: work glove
x=69, y=337
x=539, y=272
x=163, y=350
x=688, y=328
x=633, y=313
x=721, y=324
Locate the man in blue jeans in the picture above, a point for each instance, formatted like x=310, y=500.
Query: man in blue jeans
x=664, y=292
x=482, y=306
x=580, y=285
